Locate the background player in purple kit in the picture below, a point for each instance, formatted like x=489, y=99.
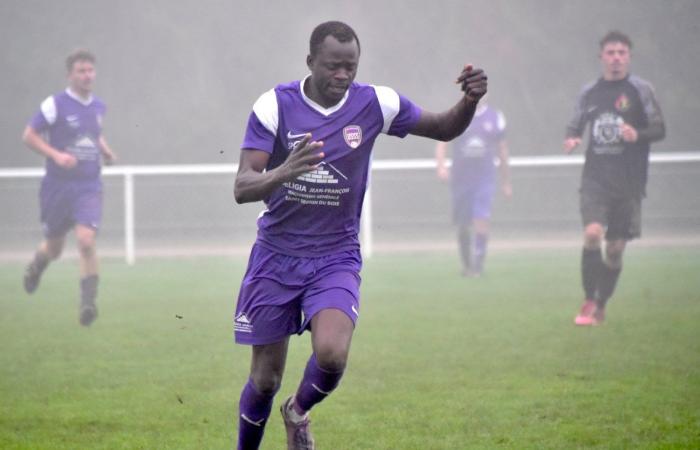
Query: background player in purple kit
x=473, y=182
x=625, y=118
x=67, y=130
x=306, y=154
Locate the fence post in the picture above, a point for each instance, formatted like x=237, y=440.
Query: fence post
x=129, y=217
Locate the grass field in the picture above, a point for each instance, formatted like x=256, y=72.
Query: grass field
x=438, y=361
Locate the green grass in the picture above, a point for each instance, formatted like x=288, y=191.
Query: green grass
x=438, y=361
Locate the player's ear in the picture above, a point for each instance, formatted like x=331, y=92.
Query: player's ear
x=309, y=61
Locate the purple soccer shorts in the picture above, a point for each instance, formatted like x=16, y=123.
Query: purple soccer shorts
x=63, y=204
x=280, y=293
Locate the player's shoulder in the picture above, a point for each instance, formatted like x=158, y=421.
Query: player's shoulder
x=98, y=103
x=289, y=87
x=640, y=83
x=589, y=86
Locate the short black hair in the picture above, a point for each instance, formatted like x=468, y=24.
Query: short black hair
x=616, y=36
x=339, y=30
x=80, y=54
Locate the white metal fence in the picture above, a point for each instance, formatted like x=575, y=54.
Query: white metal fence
x=130, y=173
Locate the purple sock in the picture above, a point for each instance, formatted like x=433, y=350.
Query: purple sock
x=315, y=386
x=254, y=409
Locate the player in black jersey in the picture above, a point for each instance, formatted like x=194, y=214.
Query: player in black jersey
x=624, y=119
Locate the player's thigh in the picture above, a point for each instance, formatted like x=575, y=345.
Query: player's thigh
x=625, y=219
x=86, y=236
x=87, y=210
x=331, y=334
x=481, y=206
x=462, y=205
x=594, y=207
x=56, y=209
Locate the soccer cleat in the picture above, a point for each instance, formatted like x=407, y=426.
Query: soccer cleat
x=298, y=433
x=585, y=316
x=88, y=314
x=32, y=276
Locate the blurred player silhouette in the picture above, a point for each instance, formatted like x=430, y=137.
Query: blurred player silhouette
x=624, y=119
x=472, y=179
x=306, y=154
x=67, y=130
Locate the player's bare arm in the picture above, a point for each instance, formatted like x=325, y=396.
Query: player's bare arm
x=449, y=124
x=504, y=169
x=253, y=183
x=107, y=153
x=441, y=161
x=34, y=141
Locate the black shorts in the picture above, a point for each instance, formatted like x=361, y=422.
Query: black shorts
x=621, y=215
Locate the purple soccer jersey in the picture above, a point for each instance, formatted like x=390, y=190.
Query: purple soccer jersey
x=319, y=212
x=72, y=125
x=70, y=196
x=474, y=152
x=473, y=175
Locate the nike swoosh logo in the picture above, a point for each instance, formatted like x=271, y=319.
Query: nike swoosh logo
x=294, y=136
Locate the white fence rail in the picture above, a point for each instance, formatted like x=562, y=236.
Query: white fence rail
x=129, y=174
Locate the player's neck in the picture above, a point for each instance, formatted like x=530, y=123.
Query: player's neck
x=611, y=76
x=81, y=94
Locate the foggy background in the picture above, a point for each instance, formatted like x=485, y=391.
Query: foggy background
x=179, y=79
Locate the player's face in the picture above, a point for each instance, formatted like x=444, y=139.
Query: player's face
x=333, y=69
x=615, y=57
x=82, y=76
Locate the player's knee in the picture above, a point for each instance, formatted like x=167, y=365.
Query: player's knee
x=54, y=249
x=613, y=255
x=331, y=359
x=593, y=235
x=267, y=384
x=86, y=245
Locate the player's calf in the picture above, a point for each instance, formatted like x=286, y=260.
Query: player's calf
x=88, y=296
x=34, y=270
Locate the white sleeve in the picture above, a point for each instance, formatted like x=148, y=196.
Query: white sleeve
x=389, y=103
x=266, y=110
x=48, y=109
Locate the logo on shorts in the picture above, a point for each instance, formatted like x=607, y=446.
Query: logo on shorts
x=352, y=135
x=357, y=313
x=242, y=324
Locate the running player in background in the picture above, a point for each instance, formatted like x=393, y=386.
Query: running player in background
x=624, y=119
x=473, y=182
x=67, y=130
x=306, y=154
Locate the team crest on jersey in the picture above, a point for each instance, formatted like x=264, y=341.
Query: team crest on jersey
x=606, y=129
x=622, y=103
x=352, y=135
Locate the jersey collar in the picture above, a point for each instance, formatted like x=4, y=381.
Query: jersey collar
x=316, y=106
x=79, y=99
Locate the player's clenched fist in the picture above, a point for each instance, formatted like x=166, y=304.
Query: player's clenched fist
x=474, y=82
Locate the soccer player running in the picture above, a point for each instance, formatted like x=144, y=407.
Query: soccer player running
x=624, y=119
x=67, y=130
x=473, y=182
x=306, y=154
